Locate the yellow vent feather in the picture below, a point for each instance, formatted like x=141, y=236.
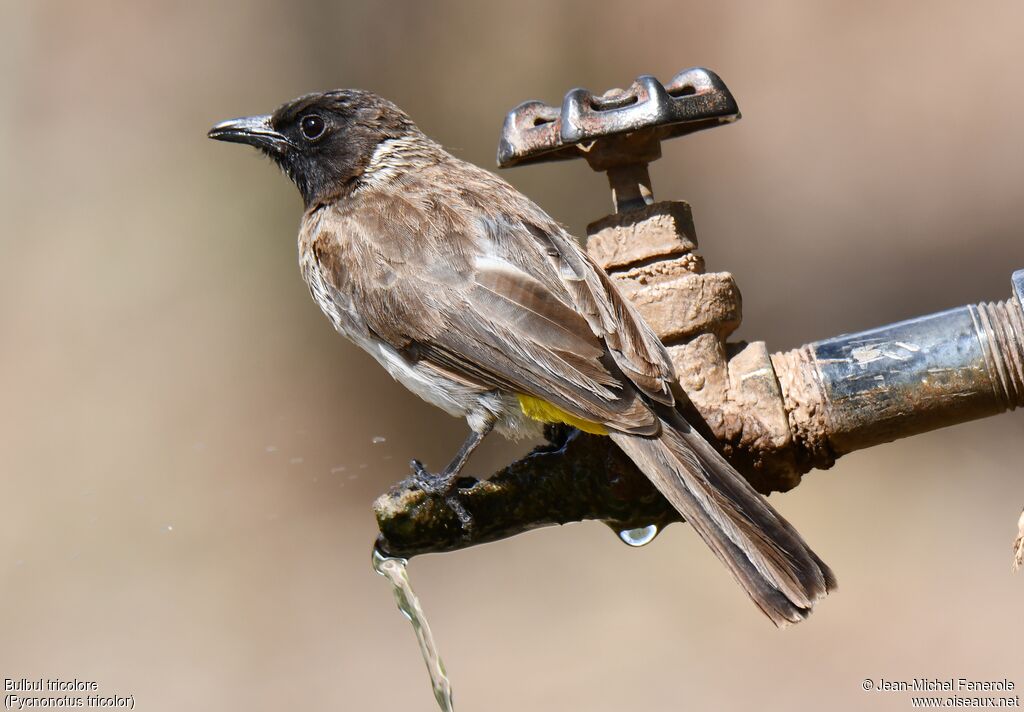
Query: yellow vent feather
x=547, y=413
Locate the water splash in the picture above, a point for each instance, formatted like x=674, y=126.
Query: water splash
x=641, y=536
x=394, y=570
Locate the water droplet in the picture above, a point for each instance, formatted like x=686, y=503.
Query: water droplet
x=169, y=527
x=337, y=468
x=270, y=448
x=378, y=439
x=639, y=537
x=394, y=570
x=296, y=461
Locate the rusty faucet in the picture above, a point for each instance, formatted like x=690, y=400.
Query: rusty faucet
x=775, y=416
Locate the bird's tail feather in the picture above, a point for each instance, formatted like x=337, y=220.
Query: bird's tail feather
x=764, y=552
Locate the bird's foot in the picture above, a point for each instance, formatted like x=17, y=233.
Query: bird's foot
x=444, y=485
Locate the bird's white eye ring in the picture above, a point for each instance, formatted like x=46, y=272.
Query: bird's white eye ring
x=312, y=127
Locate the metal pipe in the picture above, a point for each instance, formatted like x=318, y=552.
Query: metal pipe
x=857, y=390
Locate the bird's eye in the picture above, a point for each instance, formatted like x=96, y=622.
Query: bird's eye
x=312, y=127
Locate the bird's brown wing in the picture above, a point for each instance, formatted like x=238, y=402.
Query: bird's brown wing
x=517, y=228
x=479, y=315
x=636, y=349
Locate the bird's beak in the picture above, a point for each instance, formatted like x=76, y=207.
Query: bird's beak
x=254, y=130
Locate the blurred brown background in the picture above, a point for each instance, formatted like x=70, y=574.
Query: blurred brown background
x=187, y=448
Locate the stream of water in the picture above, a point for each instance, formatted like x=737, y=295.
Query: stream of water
x=394, y=570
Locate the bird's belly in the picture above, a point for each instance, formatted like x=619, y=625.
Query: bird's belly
x=477, y=406
x=447, y=394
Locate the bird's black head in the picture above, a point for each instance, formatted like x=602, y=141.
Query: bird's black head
x=323, y=141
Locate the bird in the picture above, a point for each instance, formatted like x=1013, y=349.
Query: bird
x=476, y=300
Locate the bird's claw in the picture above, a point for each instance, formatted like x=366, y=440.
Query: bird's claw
x=441, y=485
x=426, y=481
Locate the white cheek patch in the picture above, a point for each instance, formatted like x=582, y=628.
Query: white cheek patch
x=387, y=162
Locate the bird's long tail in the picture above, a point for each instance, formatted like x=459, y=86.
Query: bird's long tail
x=764, y=552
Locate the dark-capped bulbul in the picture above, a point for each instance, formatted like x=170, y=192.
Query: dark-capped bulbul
x=476, y=300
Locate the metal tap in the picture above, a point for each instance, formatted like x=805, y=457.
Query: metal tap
x=775, y=416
